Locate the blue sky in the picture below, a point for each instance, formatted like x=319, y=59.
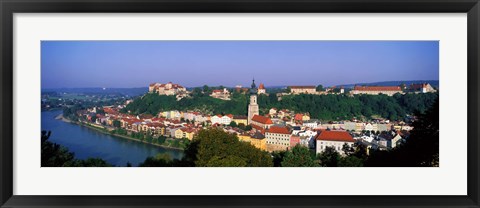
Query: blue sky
x=110, y=64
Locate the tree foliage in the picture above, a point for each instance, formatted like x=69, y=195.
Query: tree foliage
x=329, y=157
x=324, y=107
x=420, y=149
x=216, y=148
x=298, y=156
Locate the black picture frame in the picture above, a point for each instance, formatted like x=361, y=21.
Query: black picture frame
x=9, y=7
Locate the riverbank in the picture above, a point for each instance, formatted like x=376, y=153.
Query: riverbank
x=98, y=129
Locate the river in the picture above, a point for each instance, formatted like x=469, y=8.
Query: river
x=86, y=142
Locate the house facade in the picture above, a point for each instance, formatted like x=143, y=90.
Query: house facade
x=335, y=139
x=278, y=138
x=303, y=89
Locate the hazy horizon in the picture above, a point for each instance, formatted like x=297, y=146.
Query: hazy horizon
x=273, y=86
x=135, y=64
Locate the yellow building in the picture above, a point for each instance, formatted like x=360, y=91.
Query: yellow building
x=259, y=143
x=305, y=117
x=178, y=133
x=188, y=133
x=240, y=120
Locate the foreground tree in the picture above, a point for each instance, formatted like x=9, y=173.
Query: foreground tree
x=161, y=160
x=216, y=148
x=420, y=149
x=329, y=157
x=299, y=156
x=350, y=161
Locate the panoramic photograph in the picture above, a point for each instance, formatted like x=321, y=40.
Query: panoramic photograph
x=234, y=103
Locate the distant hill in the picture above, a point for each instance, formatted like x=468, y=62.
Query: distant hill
x=98, y=90
x=434, y=83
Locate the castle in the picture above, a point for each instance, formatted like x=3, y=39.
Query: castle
x=166, y=89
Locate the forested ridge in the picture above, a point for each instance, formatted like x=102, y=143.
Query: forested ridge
x=324, y=107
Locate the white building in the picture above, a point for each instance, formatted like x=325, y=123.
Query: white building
x=277, y=138
x=219, y=119
x=307, y=133
x=311, y=124
x=335, y=139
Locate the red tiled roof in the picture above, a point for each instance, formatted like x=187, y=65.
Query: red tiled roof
x=377, y=88
x=109, y=111
x=302, y=87
x=278, y=130
x=262, y=130
x=262, y=119
x=261, y=86
x=335, y=136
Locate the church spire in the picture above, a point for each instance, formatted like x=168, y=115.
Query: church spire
x=253, y=89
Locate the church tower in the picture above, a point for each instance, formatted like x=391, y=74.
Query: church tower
x=253, y=106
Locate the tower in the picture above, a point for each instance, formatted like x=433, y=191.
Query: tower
x=253, y=106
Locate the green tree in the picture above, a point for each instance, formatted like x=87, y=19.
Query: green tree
x=347, y=149
x=319, y=88
x=227, y=161
x=420, y=149
x=161, y=139
x=288, y=89
x=298, y=156
x=350, y=161
x=278, y=158
x=329, y=157
x=206, y=89
x=233, y=124
x=214, y=147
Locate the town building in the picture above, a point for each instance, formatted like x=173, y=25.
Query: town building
x=256, y=139
x=261, y=121
x=166, y=89
x=221, y=94
x=335, y=139
x=261, y=89
x=240, y=89
x=376, y=90
x=253, y=108
x=294, y=140
x=278, y=138
x=303, y=89
x=239, y=119
x=272, y=112
x=421, y=88
x=224, y=120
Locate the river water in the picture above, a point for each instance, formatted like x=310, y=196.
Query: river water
x=85, y=143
